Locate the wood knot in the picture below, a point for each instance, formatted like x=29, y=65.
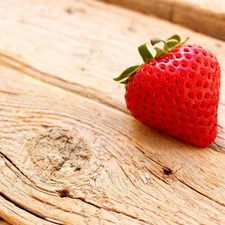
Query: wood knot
x=58, y=154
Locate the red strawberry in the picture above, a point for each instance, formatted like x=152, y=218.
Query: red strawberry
x=177, y=92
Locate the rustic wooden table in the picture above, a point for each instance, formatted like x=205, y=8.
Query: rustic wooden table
x=205, y=16
x=70, y=151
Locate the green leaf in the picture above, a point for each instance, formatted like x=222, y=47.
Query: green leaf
x=160, y=52
x=124, y=81
x=185, y=41
x=158, y=40
x=171, y=44
x=145, y=53
x=175, y=37
x=126, y=73
x=155, y=41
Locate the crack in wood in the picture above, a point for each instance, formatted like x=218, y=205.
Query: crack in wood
x=8, y=199
x=28, y=51
x=9, y=161
x=199, y=192
x=77, y=89
x=85, y=201
x=168, y=171
x=55, y=81
x=63, y=193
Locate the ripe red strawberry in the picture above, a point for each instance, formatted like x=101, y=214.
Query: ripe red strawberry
x=177, y=92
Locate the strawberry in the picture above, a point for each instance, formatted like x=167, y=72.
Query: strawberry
x=176, y=92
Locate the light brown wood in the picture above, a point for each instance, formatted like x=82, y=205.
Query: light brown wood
x=4, y=223
x=70, y=151
x=205, y=16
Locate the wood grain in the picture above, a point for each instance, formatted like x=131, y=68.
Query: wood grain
x=205, y=16
x=70, y=151
x=4, y=223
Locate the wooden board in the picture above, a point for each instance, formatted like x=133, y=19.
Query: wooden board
x=205, y=16
x=70, y=151
x=3, y=223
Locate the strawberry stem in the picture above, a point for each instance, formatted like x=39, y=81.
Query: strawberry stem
x=170, y=43
x=160, y=52
x=146, y=55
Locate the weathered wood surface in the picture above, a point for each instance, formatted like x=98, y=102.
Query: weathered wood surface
x=70, y=151
x=205, y=16
x=3, y=223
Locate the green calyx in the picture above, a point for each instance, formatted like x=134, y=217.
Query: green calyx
x=146, y=55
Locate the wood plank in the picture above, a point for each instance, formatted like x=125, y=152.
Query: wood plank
x=42, y=38
x=4, y=223
x=70, y=151
x=205, y=16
